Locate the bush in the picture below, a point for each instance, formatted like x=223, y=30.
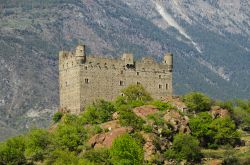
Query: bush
x=58, y=157
x=161, y=105
x=98, y=156
x=200, y=128
x=128, y=118
x=185, y=147
x=99, y=112
x=12, y=151
x=197, y=102
x=125, y=151
x=70, y=136
x=37, y=142
x=223, y=131
x=135, y=93
x=57, y=116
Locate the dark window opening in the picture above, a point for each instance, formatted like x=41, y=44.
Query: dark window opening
x=121, y=71
x=121, y=83
x=160, y=86
x=137, y=73
x=86, y=81
x=166, y=86
x=159, y=76
x=86, y=67
x=138, y=83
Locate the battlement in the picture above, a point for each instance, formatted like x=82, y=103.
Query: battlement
x=85, y=78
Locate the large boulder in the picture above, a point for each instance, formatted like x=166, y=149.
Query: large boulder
x=106, y=139
x=145, y=111
x=177, y=121
x=217, y=111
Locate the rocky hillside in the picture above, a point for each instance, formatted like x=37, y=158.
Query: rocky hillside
x=134, y=129
x=210, y=41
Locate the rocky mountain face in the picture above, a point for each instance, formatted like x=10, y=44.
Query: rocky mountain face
x=209, y=40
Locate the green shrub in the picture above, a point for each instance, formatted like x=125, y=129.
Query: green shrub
x=200, y=128
x=37, y=142
x=185, y=147
x=136, y=93
x=126, y=151
x=70, y=136
x=197, y=102
x=12, y=151
x=223, y=131
x=129, y=118
x=59, y=157
x=99, y=112
x=98, y=156
x=57, y=116
x=161, y=105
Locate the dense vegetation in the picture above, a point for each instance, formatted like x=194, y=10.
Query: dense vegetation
x=66, y=142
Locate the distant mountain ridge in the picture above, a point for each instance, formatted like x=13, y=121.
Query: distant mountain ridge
x=32, y=33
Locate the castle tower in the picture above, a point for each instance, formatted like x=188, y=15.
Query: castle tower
x=168, y=60
x=80, y=54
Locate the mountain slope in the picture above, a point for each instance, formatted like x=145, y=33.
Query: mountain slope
x=209, y=40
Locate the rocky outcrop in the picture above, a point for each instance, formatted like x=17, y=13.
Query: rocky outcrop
x=149, y=148
x=217, y=111
x=177, y=121
x=145, y=110
x=105, y=139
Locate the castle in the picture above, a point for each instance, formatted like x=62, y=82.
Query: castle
x=83, y=79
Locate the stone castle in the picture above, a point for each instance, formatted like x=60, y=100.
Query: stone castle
x=83, y=79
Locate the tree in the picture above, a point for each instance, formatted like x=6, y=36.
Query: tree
x=99, y=112
x=197, y=102
x=98, y=156
x=200, y=127
x=136, y=93
x=12, y=151
x=126, y=151
x=223, y=130
x=70, y=135
x=59, y=157
x=185, y=147
x=129, y=118
x=37, y=142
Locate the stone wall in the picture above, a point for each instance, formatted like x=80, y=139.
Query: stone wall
x=84, y=81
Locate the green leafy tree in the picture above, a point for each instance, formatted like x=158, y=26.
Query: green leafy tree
x=128, y=118
x=135, y=94
x=185, y=147
x=100, y=112
x=197, y=102
x=12, y=151
x=98, y=156
x=126, y=151
x=37, y=141
x=57, y=116
x=223, y=130
x=200, y=127
x=70, y=135
x=59, y=157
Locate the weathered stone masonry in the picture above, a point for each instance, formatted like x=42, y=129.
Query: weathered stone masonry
x=83, y=79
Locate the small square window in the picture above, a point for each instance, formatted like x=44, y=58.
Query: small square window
x=160, y=86
x=138, y=83
x=121, y=83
